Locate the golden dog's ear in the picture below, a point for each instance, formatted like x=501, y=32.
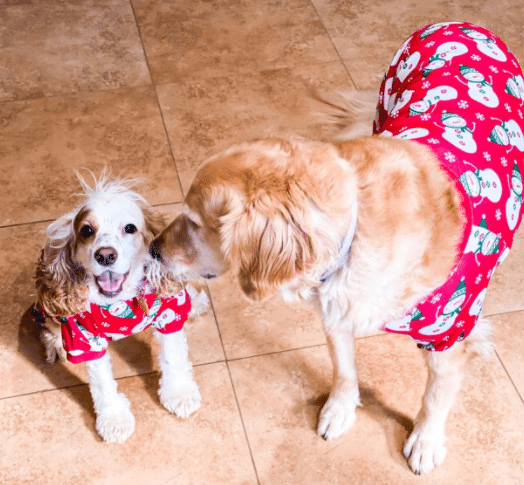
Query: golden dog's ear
x=268, y=245
x=60, y=283
x=155, y=221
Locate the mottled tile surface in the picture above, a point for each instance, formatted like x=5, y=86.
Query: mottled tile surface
x=281, y=395
x=206, y=116
x=195, y=39
x=42, y=143
x=150, y=89
x=53, y=47
x=50, y=438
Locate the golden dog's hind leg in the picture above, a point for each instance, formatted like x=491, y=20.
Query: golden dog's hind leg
x=425, y=448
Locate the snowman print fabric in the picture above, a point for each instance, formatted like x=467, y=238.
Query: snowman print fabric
x=86, y=335
x=456, y=88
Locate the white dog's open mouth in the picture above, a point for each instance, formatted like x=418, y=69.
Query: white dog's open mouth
x=110, y=283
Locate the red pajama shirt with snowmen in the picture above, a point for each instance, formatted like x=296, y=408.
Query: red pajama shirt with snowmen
x=456, y=88
x=85, y=336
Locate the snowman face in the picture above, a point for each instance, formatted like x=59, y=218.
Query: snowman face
x=436, y=64
x=454, y=304
x=474, y=76
x=489, y=244
x=491, y=50
x=516, y=185
x=476, y=35
x=407, y=66
x=472, y=183
x=419, y=107
x=455, y=121
x=502, y=134
x=413, y=133
x=512, y=88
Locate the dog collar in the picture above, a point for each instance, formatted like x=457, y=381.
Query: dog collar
x=346, y=244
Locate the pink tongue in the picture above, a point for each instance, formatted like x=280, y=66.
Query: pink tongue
x=110, y=281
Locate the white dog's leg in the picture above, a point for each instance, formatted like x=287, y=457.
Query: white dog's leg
x=114, y=420
x=178, y=392
x=425, y=448
x=338, y=414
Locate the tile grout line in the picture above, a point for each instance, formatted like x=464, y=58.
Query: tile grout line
x=509, y=376
x=233, y=387
x=168, y=140
x=333, y=44
x=48, y=221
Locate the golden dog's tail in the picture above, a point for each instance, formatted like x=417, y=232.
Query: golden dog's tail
x=352, y=112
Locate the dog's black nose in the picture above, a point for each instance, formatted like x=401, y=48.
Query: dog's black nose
x=154, y=251
x=106, y=256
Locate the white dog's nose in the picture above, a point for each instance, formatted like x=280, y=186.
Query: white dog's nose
x=106, y=256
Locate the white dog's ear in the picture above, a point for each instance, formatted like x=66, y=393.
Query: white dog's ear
x=60, y=282
x=268, y=244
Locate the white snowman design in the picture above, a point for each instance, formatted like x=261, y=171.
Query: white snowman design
x=96, y=343
x=457, y=133
x=406, y=67
x=404, y=99
x=411, y=134
x=515, y=87
x=482, y=183
x=485, y=44
x=403, y=324
x=433, y=28
x=449, y=314
x=120, y=309
x=432, y=97
x=389, y=99
x=514, y=203
x=482, y=240
x=166, y=317
x=508, y=133
x=444, y=53
x=476, y=306
x=148, y=319
x=478, y=88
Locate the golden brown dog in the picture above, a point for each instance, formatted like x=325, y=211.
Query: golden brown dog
x=277, y=213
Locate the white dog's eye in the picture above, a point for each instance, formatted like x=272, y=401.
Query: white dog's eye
x=86, y=231
x=130, y=229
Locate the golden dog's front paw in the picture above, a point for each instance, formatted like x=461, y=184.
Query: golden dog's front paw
x=424, y=450
x=335, y=419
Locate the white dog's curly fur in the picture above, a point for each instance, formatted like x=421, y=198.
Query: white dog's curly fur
x=109, y=233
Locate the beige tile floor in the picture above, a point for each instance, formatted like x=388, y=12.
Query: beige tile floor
x=150, y=88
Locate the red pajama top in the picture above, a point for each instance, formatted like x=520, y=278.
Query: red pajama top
x=86, y=335
x=456, y=88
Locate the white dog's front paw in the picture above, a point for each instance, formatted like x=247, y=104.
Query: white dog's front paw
x=424, y=450
x=336, y=418
x=115, y=427
x=182, y=401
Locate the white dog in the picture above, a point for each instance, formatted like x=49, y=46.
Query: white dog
x=96, y=279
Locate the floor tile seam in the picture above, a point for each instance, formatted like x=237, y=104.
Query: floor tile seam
x=241, y=416
x=247, y=73
x=509, y=312
x=166, y=133
x=293, y=349
x=326, y=30
x=76, y=93
x=117, y=379
x=49, y=221
x=509, y=377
